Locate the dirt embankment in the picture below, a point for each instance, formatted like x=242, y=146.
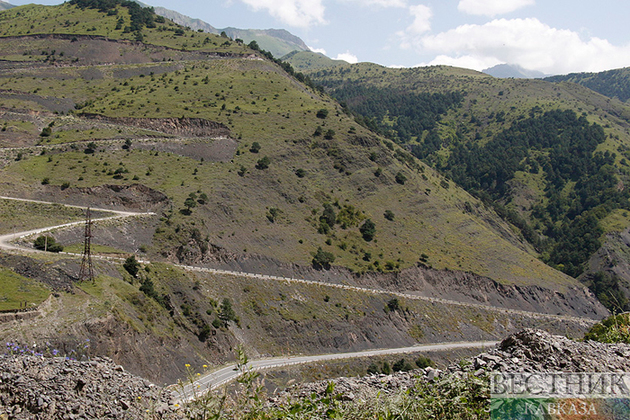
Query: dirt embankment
x=181, y=127
x=422, y=281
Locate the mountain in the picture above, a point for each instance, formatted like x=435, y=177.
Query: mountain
x=509, y=70
x=5, y=6
x=611, y=83
x=507, y=142
x=279, y=42
x=277, y=219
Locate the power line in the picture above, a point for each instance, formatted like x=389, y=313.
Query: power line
x=87, y=270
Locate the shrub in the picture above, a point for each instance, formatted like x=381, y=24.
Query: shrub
x=401, y=178
x=424, y=362
x=368, y=230
x=323, y=259
x=47, y=243
x=255, y=147
x=389, y=215
x=301, y=173
x=263, y=163
x=322, y=113
x=132, y=266
x=393, y=305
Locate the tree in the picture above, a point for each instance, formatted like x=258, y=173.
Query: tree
x=263, y=163
x=47, y=243
x=323, y=259
x=189, y=203
x=393, y=305
x=301, y=173
x=322, y=113
x=46, y=132
x=226, y=312
x=401, y=178
x=368, y=230
x=255, y=147
x=132, y=266
x=330, y=134
x=90, y=148
x=389, y=215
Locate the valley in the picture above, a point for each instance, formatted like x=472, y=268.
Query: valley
x=238, y=204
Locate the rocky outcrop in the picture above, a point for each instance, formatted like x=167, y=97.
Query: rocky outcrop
x=37, y=387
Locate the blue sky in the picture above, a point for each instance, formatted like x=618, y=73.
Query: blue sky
x=552, y=36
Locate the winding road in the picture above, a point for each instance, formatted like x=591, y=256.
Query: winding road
x=214, y=379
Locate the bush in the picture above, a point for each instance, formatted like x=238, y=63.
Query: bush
x=301, y=173
x=47, y=243
x=322, y=113
x=368, y=230
x=131, y=265
x=389, y=215
x=614, y=329
x=401, y=178
x=255, y=147
x=393, y=305
x=323, y=259
x=424, y=362
x=263, y=163
x=402, y=366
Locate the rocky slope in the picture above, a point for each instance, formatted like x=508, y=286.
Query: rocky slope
x=37, y=387
x=529, y=350
x=33, y=386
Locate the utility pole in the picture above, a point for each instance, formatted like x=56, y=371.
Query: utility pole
x=87, y=270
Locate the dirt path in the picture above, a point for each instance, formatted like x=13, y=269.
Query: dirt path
x=6, y=240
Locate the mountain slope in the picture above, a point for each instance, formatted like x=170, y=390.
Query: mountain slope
x=271, y=211
x=279, y=42
x=485, y=133
x=611, y=83
x=247, y=169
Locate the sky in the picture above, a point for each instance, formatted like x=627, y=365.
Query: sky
x=550, y=36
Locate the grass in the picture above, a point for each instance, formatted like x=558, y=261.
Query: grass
x=16, y=216
x=16, y=290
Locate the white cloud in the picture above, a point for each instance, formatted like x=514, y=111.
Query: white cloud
x=317, y=50
x=422, y=16
x=348, y=57
x=421, y=19
x=492, y=7
x=381, y=3
x=527, y=42
x=298, y=13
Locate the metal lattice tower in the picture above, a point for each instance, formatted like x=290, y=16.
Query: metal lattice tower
x=87, y=270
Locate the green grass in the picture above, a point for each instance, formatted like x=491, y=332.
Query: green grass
x=96, y=249
x=16, y=216
x=16, y=290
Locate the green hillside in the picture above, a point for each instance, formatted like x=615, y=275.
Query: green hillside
x=551, y=158
x=611, y=83
x=294, y=154
x=307, y=61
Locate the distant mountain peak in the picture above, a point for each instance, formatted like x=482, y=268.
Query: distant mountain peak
x=504, y=71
